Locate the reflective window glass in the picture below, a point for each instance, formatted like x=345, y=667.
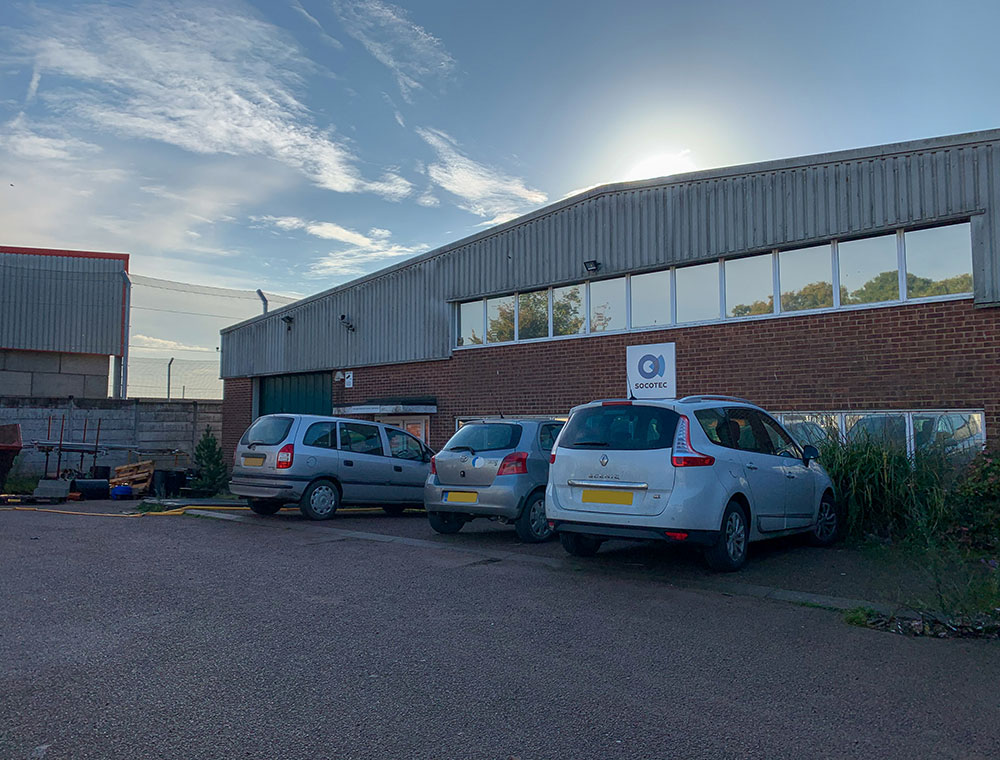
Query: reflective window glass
x=955, y=434
x=880, y=427
x=698, y=293
x=470, y=323
x=782, y=444
x=533, y=315
x=360, y=439
x=869, y=270
x=651, y=299
x=403, y=446
x=812, y=429
x=749, y=286
x=806, y=278
x=939, y=261
x=321, y=435
x=607, y=305
x=500, y=319
x=568, y=310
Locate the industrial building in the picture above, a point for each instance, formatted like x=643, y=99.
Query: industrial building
x=855, y=290
x=62, y=315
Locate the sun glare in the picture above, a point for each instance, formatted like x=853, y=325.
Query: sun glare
x=661, y=165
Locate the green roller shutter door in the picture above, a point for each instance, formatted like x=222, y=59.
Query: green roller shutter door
x=300, y=394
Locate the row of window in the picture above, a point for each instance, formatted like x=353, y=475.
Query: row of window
x=360, y=438
x=889, y=268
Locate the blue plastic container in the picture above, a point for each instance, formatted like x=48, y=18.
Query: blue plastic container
x=121, y=492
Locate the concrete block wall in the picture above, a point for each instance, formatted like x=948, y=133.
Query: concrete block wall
x=139, y=423
x=50, y=374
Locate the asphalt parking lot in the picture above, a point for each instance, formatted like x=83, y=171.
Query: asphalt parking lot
x=369, y=636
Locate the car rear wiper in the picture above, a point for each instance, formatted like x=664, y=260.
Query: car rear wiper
x=462, y=448
x=591, y=443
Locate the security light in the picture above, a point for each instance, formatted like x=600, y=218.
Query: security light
x=592, y=265
x=288, y=321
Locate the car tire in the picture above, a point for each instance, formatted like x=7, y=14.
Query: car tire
x=827, y=528
x=264, y=506
x=320, y=500
x=393, y=509
x=579, y=544
x=446, y=522
x=729, y=553
x=532, y=526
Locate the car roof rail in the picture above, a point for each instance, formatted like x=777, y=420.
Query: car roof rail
x=713, y=397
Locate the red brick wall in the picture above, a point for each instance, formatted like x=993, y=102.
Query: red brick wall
x=912, y=356
x=237, y=412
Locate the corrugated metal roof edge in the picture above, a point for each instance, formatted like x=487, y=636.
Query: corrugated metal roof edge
x=123, y=257
x=817, y=159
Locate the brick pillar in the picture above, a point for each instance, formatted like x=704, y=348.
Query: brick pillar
x=237, y=413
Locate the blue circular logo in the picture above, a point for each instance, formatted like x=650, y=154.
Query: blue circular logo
x=652, y=366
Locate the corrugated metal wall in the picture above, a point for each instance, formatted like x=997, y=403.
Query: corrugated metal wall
x=61, y=303
x=401, y=314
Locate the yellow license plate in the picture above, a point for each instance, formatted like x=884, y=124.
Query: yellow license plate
x=595, y=496
x=466, y=497
x=253, y=461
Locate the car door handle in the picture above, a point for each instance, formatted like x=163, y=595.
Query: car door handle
x=348, y=463
x=397, y=468
x=751, y=466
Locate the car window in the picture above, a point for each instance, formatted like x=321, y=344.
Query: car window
x=632, y=427
x=781, y=443
x=321, y=435
x=547, y=435
x=746, y=431
x=360, y=439
x=485, y=436
x=268, y=431
x=713, y=422
x=403, y=445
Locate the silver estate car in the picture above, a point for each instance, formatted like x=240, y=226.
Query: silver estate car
x=324, y=462
x=712, y=471
x=494, y=468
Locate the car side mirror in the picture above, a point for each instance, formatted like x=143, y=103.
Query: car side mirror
x=809, y=453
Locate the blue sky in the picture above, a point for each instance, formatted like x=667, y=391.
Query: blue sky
x=295, y=144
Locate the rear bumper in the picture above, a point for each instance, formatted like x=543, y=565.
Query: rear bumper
x=266, y=488
x=497, y=500
x=638, y=533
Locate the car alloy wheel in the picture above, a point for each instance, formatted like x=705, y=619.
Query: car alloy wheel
x=736, y=536
x=826, y=522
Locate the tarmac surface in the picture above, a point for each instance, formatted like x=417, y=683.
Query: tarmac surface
x=371, y=637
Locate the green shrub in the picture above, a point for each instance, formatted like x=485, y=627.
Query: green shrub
x=212, y=474
x=974, y=504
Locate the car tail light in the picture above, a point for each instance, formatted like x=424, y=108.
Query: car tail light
x=514, y=464
x=684, y=454
x=552, y=458
x=434, y=468
x=675, y=535
x=285, y=456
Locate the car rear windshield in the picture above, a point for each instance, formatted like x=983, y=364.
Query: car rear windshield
x=485, y=436
x=267, y=431
x=630, y=428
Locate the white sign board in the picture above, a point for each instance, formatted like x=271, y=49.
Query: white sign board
x=348, y=379
x=652, y=371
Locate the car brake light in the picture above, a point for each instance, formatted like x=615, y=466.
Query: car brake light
x=434, y=468
x=684, y=454
x=285, y=456
x=515, y=463
x=616, y=403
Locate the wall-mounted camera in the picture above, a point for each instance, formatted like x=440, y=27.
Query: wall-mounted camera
x=345, y=320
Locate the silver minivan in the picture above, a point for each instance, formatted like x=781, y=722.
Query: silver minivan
x=324, y=462
x=495, y=468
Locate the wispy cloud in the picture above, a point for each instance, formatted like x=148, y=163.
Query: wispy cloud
x=162, y=344
x=483, y=190
x=208, y=78
x=362, y=252
x=324, y=35
x=413, y=55
x=49, y=144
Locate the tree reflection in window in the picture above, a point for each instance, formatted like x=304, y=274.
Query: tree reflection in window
x=533, y=315
x=567, y=310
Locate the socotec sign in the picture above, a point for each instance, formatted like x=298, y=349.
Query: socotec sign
x=652, y=371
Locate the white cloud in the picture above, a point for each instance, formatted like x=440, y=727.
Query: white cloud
x=146, y=341
x=410, y=52
x=362, y=253
x=482, y=190
x=208, y=78
x=324, y=35
x=36, y=76
x=428, y=199
x=23, y=142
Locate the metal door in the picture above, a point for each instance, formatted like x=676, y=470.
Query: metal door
x=309, y=393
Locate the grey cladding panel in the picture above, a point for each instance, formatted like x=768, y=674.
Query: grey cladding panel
x=401, y=313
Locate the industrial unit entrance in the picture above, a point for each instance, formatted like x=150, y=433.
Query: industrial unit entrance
x=307, y=393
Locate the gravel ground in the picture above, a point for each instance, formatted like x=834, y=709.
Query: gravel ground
x=166, y=637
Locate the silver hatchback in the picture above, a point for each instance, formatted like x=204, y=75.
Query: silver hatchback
x=495, y=468
x=323, y=462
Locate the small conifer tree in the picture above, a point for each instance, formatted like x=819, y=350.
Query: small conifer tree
x=212, y=473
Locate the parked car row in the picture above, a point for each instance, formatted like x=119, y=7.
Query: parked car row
x=711, y=471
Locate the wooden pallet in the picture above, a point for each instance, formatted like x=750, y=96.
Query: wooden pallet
x=138, y=475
